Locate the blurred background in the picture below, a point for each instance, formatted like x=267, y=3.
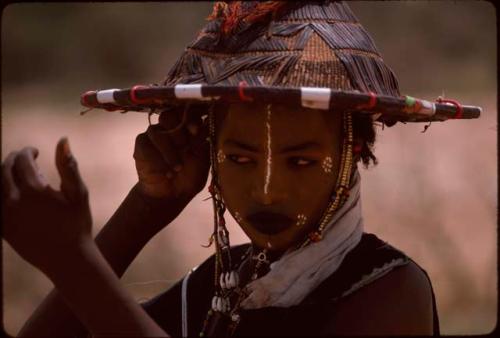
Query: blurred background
x=433, y=194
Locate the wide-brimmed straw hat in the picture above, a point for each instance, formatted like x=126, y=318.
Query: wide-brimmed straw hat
x=312, y=54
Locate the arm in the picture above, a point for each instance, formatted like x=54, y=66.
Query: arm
x=135, y=222
x=96, y=296
x=153, y=203
x=52, y=231
x=399, y=303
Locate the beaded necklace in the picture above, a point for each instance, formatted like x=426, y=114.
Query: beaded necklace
x=343, y=181
x=223, y=317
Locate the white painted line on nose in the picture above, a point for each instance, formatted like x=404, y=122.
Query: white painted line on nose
x=268, y=150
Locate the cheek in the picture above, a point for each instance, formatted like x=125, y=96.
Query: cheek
x=307, y=191
x=234, y=187
x=311, y=193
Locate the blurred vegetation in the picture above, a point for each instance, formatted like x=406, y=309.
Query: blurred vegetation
x=452, y=40
x=80, y=46
x=92, y=45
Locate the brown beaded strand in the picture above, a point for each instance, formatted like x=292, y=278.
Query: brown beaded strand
x=211, y=188
x=222, y=252
x=223, y=263
x=343, y=181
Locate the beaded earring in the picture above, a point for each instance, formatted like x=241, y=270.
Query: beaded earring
x=343, y=179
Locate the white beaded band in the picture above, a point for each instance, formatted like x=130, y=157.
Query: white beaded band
x=189, y=91
x=428, y=108
x=315, y=97
x=106, y=96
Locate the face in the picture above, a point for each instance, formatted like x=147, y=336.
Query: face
x=278, y=168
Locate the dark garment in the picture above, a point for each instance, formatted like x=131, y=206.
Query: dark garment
x=306, y=319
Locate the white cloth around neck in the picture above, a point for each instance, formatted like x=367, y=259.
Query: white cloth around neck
x=299, y=272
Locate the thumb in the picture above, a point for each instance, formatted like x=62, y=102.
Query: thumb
x=72, y=185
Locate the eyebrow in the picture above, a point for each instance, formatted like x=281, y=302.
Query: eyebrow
x=310, y=145
x=241, y=145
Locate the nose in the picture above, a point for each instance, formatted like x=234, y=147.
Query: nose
x=269, y=188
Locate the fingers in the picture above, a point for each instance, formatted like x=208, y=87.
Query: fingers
x=194, y=120
x=200, y=146
x=10, y=190
x=148, y=157
x=175, y=142
x=163, y=142
x=72, y=185
x=173, y=122
x=25, y=171
x=185, y=121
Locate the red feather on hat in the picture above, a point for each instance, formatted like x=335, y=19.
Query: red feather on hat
x=231, y=13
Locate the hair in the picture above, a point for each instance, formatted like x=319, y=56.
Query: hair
x=363, y=129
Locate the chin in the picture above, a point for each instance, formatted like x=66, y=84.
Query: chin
x=278, y=243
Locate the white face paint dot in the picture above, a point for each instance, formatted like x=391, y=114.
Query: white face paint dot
x=301, y=220
x=327, y=165
x=220, y=156
x=269, y=245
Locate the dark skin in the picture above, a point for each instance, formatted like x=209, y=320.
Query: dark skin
x=163, y=190
x=146, y=210
x=52, y=230
x=278, y=168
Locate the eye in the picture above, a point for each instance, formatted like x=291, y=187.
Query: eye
x=239, y=159
x=301, y=161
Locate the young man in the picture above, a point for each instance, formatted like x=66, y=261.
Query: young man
x=286, y=172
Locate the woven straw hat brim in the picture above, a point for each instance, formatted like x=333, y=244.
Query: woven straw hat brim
x=156, y=98
x=314, y=54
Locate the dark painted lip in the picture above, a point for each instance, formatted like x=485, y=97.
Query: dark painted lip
x=269, y=223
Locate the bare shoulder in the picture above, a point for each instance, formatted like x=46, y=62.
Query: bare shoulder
x=399, y=303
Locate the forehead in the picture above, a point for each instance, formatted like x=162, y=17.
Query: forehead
x=251, y=122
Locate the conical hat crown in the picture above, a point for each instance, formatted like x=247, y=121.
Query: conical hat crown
x=315, y=54
x=287, y=44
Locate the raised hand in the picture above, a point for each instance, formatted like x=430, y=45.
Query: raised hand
x=172, y=157
x=41, y=224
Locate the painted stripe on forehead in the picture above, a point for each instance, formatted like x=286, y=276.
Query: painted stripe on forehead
x=268, y=150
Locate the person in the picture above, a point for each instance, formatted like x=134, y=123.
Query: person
x=284, y=166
